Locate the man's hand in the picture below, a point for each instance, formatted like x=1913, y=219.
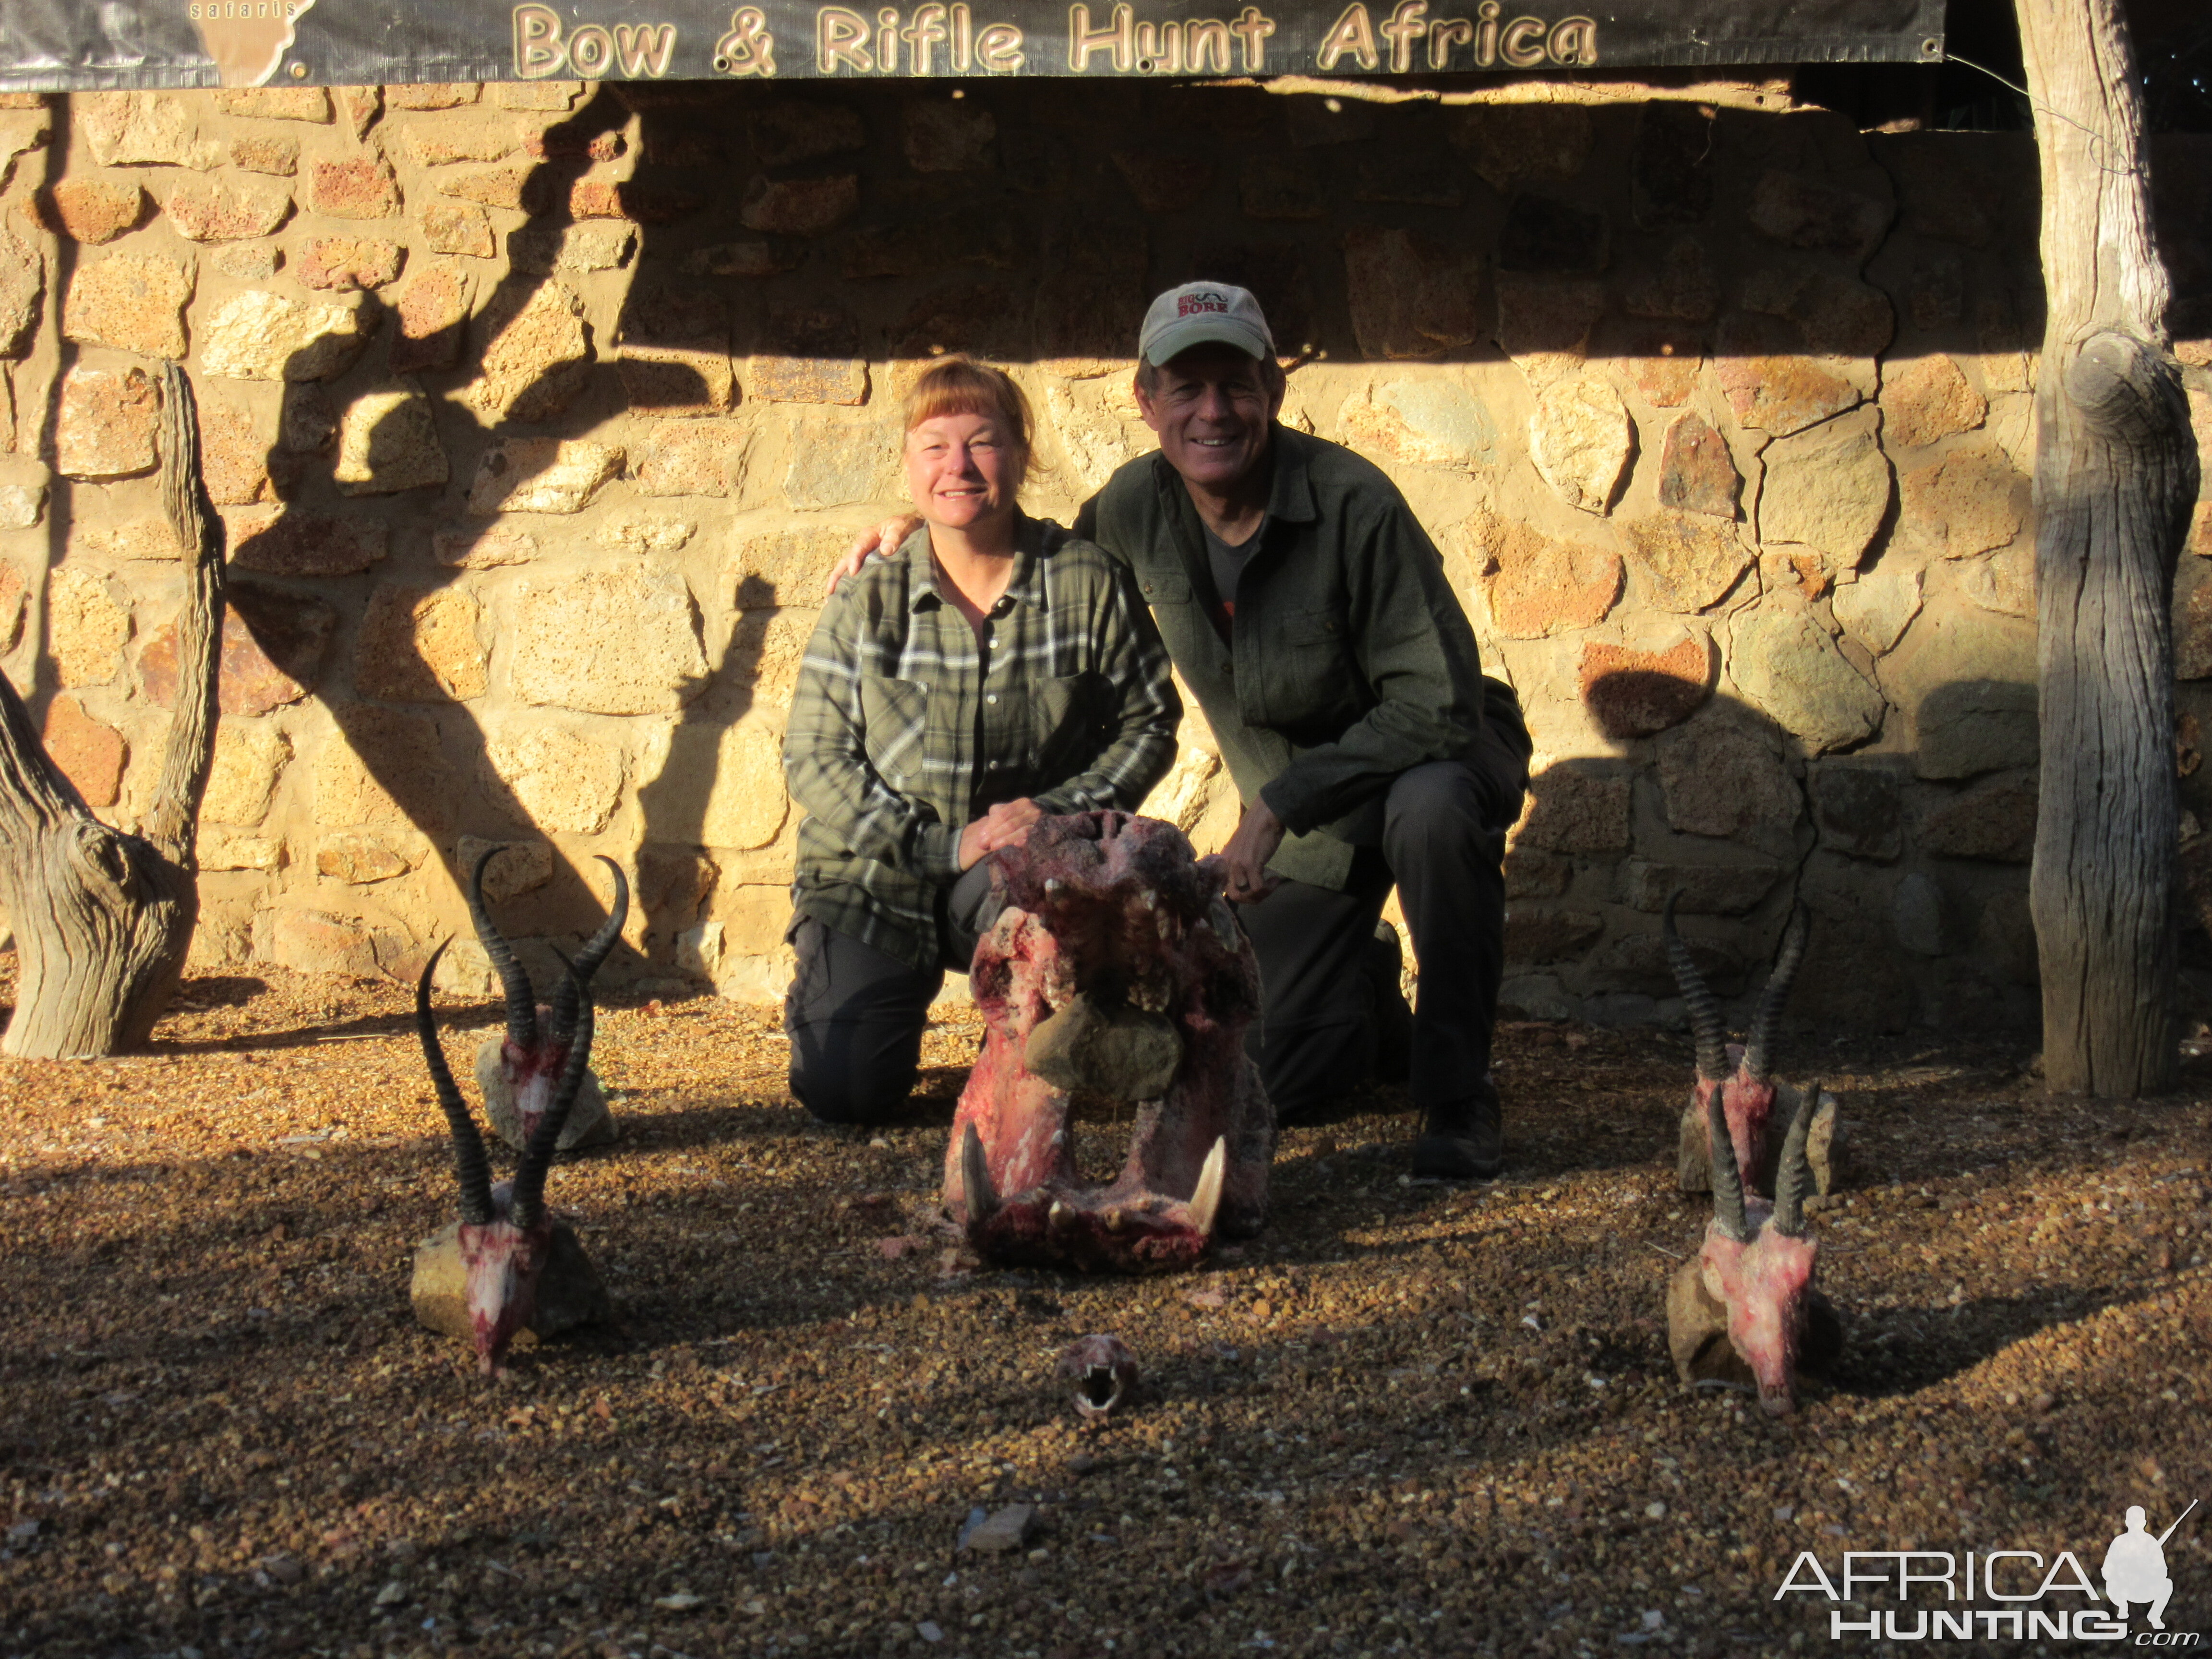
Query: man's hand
x=882, y=541
x=1259, y=833
x=1005, y=824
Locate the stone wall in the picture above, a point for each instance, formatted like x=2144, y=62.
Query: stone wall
x=538, y=410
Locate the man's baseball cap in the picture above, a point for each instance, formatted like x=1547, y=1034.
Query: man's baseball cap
x=1204, y=314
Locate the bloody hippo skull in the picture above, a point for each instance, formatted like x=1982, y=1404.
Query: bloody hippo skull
x=1116, y=971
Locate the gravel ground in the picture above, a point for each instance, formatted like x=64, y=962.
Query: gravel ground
x=1406, y=1419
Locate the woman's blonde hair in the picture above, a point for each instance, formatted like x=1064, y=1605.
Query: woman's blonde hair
x=961, y=386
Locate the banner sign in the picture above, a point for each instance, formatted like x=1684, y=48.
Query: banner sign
x=66, y=44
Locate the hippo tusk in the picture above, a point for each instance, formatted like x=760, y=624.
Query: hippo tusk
x=1205, y=1197
x=1060, y=1216
x=982, y=1197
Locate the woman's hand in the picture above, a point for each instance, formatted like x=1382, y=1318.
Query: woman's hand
x=882, y=541
x=1005, y=824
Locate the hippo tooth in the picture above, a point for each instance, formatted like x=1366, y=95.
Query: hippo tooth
x=1115, y=1220
x=1060, y=1215
x=1206, y=1198
x=975, y=1178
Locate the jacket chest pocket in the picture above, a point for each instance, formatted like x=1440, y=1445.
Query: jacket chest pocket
x=1311, y=677
x=894, y=726
x=1072, y=724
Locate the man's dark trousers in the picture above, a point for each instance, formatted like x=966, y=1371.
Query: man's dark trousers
x=1443, y=846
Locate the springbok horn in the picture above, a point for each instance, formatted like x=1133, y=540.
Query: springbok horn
x=1205, y=1197
x=521, y=1000
x=469, y=1163
x=1727, y=1179
x=526, y=1206
x=1759, y=1042
x=563, y=1013
x=982, y=1197
x=1705, y=1013
x=1795, y=1172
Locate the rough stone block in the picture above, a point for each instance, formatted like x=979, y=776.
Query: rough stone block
x=841, y=463
x=1782, y=394
x=1836, y=316
x=1969, y=726
x=1535, y=934
x=562, y=779
x=1545, y=233
x=1504, y=143
x=344, y=264
x=1859, y=809
x=277, y=103
x=248, y=760
x=573, y=249
x=133, y=301
x=675, y=353
x=85, y=628
x=722, y=786
x=384, y=768
x=1540, y=587
x=799, y=207
x=1968, y=503
x=1636, y=964
x=456, y=227
x=1580, y=439
x=246, y=262
x=140, y=128
x=230, y=849
x=433, y=311
x=1408, y=297
x=480, y=139
x=487, y=548
x=1996, y=823
x=234, y=456
x=560, y=631
x=1721, y=777
x=1428, y=423
x=315, y=942
x=1827, y=488
x=306, y=545
x=1671, y=169
x=22, y=287
x=693, y=458
x=1679, y=286
x=436, y=94
x=1530, y=873
x=273, y=643
x=642, y=533
x=275, y=154
x=542, y=475
x=260, y=336
x=538, y=356
x=93, y=210
x=90, y=753
x=1877, y=609
x=1268, y=187
x=1662, y=362
x=14, y=593
x=751, y=258
x=227, y=209
x=522, y=867
x=388, y=442
x=765, y=650
x=420, y=645
x=362, y=188
x=1570, y=810
x=536, y=94
x=943, y=137
x=1800, y=211
x=1707, y=890
x=1635, y=694
x=1689, y=559
x=1696, y=472
x=359, y=857
x=626, y=198
x=22, y=506
x=796, y=129
x=1785, y=662
x=1544, y=323
x=106, y=423
x=1929, y=399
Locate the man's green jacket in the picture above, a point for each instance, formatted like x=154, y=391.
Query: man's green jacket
x=1349, y=659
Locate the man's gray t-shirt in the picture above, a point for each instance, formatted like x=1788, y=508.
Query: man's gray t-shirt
x=1227, y=563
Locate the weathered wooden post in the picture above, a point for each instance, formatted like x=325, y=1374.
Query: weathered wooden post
x=103, y=919
x=2115, y=478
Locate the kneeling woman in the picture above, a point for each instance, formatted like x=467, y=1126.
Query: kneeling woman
x=995, y=670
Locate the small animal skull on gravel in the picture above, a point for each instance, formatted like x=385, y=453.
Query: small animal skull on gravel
x=1746, y=1308
x=1104, y=1373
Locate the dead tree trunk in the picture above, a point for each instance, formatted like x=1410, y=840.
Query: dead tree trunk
x=103, y=919
x=2115, y=475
